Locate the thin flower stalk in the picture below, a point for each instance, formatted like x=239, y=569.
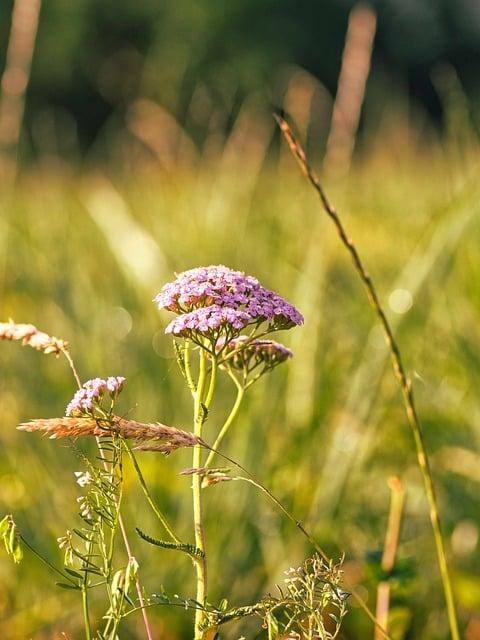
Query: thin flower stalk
x=398, y=367
x=200, y=563
x=228, y=422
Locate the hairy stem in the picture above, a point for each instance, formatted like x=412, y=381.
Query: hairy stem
x=200, y=563
x=398, y=367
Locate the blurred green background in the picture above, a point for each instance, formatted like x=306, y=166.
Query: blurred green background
x=148, y=147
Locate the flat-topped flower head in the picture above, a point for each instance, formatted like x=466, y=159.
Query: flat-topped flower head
x=243, y=353
x=91, y=394
x=218, y=287
x=204, y=286
x=209, y=322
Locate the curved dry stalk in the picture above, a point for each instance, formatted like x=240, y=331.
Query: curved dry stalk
x=398, y=367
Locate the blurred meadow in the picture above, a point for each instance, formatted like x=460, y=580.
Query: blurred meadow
x=93, y=224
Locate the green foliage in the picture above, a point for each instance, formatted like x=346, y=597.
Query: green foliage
x=187, y=548
x=330, y=427
x=10, y=537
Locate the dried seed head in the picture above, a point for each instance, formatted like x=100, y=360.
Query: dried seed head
x=161, y=437
x=209, y=476
x=31, y=337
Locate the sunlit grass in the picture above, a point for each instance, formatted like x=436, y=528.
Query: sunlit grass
x=82, y=257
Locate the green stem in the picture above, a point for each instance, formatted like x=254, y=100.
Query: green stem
x=86, y=617
x=45, y=561
x=228, y=422
x=188, y=368
x=200, y=563
x=398, y=367
x=213, y=383
x=148, y=495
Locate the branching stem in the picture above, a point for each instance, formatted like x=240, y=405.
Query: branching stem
x=228, y=422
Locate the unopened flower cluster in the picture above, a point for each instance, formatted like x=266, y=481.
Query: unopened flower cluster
x=214, y=301
x=92, y=393
x=245, y=353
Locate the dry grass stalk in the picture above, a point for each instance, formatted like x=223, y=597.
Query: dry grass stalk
x=166, y=439
x=353, y=76
x=15, y=78
x=397, y=500
x=32, y=337
x=398, y=367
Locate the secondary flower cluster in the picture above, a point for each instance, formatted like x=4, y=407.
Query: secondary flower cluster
x=213, y=301
x=92, y=393
x=246, y=354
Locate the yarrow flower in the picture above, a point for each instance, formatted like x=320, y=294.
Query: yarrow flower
x=91, y=394
x=216, y=297
x=204, y=286
x=247, y=354
x=208, y=321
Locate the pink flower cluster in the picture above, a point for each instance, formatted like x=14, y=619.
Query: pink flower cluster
x=213, y=298
x=208, y=319
x=91, y=393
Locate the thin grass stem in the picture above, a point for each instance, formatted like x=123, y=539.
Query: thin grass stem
x=45, y=560
x=398, y=367
x=166, y=525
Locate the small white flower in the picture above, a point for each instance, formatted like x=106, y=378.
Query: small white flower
x=83, y=478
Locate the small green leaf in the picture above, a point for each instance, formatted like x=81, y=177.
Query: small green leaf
x=81, y=534
x=17, y=552
x=64, y=585
x=4, y=526
x=73, y=573
x=186, y=548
